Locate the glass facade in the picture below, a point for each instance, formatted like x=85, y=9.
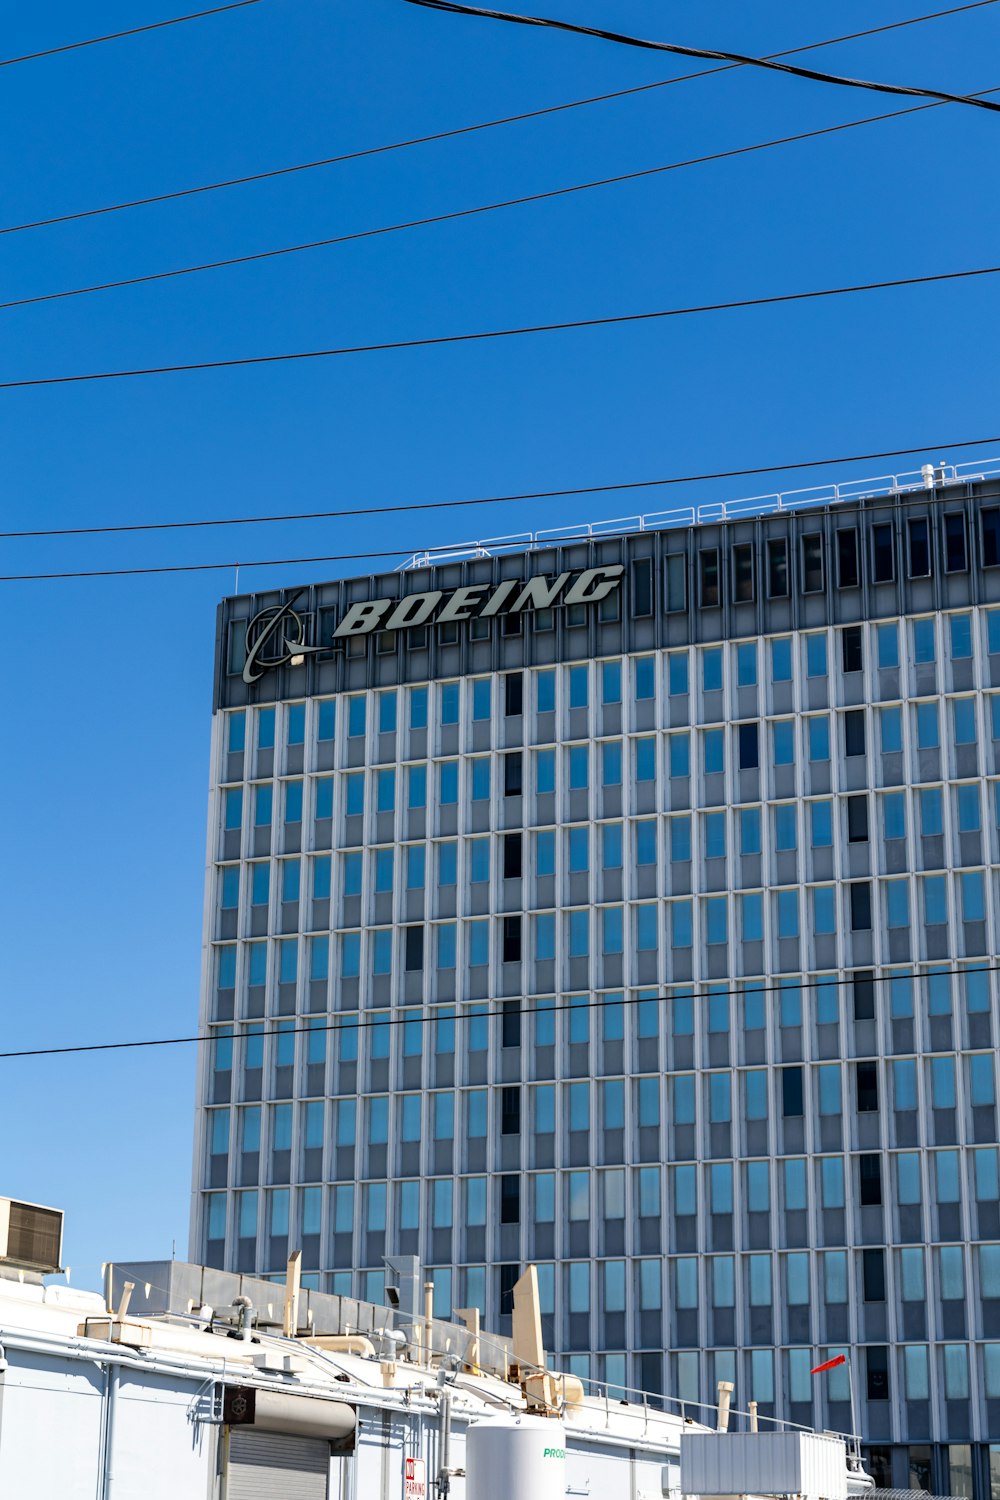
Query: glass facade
x=670, y=970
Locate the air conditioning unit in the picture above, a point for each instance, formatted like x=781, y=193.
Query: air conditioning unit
x=30, y=1236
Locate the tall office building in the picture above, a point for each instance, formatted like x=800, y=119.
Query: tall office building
x=648, y=884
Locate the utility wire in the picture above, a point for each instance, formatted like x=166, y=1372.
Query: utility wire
x=464, y=1010
x=740, y=59
x=427, y=505
x=551, y=539
x=461, y=213
x=442, y=135
x=114, y=36
x=483, y=335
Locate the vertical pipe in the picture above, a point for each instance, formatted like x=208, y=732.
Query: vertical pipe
x=428, y=1315
x=752, y=1408
x=108, y=1474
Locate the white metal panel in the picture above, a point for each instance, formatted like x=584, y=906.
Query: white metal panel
x=766, y=1463
x=151, y=1417
x=515, y=1458
x=50, y=1427
x=266, y=1465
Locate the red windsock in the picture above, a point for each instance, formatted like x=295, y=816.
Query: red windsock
x=830, y=1364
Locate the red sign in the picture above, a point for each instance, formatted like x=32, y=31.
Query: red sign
x=415, y=1479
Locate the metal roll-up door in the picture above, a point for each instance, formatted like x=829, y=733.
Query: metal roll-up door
x=274, y=1466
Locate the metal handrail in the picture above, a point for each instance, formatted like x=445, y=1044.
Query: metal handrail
x=712, y=511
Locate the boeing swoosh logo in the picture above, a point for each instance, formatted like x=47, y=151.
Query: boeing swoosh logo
x=263, y=630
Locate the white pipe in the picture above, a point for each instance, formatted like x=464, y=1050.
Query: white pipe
x=752, y=1409
x=108, y=1475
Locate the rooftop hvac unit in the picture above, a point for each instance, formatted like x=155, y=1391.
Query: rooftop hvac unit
x=30, y=1236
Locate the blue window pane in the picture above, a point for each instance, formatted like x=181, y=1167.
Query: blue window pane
x=755, y=1085
x=752, y=905
x=415, y=867
x=897, y=903
x=356, y=715
x=815, y=655
x=355, y=792
x=894, y=815
x=969, y=811
x=263, y=804
x=788, y=914
x=479, y=860
x=711, y=669
x=964, y=716
x=891, y=727
x=579, y=934
x=781, y=660
x=265, y=729
x=680, y=839
x=578, y=684
x=982, y=1087
x=750, y=830
x=819, y=737
x=758, y=1187
x=746, y=663
x=545, y=691
x=579, y=849
x=935, y=900
x=645, y=678
x=579, y=767
x=943, y=1082
x=785, y=832
x=680, y=756
x=821, y=824
x=832, y=1180
x=783, y=739
x=715, y=835
x=961, y=636
x=680, y=923
x=685, y=1190
x=716, y=919
x=611, y=682
x=931, y=816
x=720, y=1177
x=352, y=874
x=448, y=782
x=825, y=909
x=481, y=698
x=923, y=641
x=234, y=808
x=677, y=670
x=719, y=1098
x=888, y=645
x=611, y=763
x=386, y=712
x=385, y=790
x=446, y=945
x=611, y=846
x=713, y=748
x=545, y=935
x=928, y=735
x=449, y=703
x=416, y=786
x=236, y=732
x=545, y=771
x=481, y=779
x=545, y=852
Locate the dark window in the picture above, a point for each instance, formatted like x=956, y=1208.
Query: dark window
x=416, y=638
x=512, y=940
x=919, y=536
x=510, y=1199
x=870, y=1179
x=861, y=906
x=512, y=856
x=743, y=571
x=511, y=624
x=791, y=1091
x=878, y=1462
x=863, y=985
x=448, y=632
x=877, y=1372
x=991, y=537
x=677, y=587
x=610, y=607
x=857, y=819
x=873, y=1275
x=812, y=563
x=847, y=558
x=513, y=694
x=851, y=648
x=506, y=1277
x=512, y=774
x=777, y=568
x=854, y=732
x=510, y=1111
x=708, y=577
x=414, y=954
x=956, y=547
x=867, y=1081
x=883, y=554
x=510, y=1024
x=642, y=587
x=749, y=751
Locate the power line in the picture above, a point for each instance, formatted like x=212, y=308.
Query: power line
x=426, y=505
x=703, y=991
x=552, y=539
x=461, y=213
x=483, y=335
x=115, y=36
x=442, y=135
x=740, y=59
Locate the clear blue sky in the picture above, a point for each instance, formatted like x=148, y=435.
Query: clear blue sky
x=108, y=683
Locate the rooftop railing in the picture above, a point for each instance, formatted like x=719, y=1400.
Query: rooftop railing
x=930, y=476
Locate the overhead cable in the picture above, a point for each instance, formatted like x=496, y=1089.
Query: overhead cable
x=115, y=36
x=467, y=1010
x=537, y=542
x=442, y=135
x=484, y=335
x=460, y=213
x=428, y=505
x=740, y=59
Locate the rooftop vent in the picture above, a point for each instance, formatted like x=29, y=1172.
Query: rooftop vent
x=30, y=1236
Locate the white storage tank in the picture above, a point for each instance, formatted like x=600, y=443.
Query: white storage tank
x=515, y=1458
